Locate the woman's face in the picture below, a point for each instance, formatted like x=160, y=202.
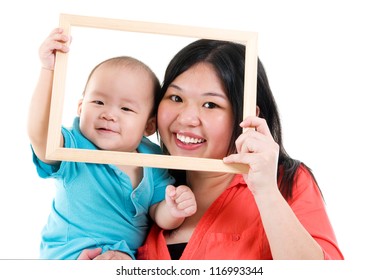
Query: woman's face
x=195, y=116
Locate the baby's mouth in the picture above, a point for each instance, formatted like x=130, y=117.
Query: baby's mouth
x=189, y=140
x=105, y=129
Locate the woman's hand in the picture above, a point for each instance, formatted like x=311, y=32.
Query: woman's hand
x=89, y=254
x=257, y=148
x=95, y=254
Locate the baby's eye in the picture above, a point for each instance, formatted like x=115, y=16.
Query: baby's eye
x=175, y=98
x=210, y=105
x=98, y=102
x=126, y=109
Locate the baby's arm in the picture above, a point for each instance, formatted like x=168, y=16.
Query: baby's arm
x=39, y=109
x=179, y=203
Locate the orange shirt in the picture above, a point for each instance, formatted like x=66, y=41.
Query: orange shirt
x=232, y=228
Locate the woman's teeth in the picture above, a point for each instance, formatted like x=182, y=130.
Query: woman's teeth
x=189, y=140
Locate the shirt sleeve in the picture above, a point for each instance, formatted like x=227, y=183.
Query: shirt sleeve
x=45, y=170
x=120, y=246
x=160, y=176
x=308, y=205
x=162, y=179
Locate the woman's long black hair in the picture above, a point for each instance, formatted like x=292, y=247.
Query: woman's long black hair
x=228, y=60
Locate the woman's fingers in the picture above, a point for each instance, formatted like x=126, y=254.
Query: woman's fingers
x=256, y=148
x=257, y=123
x=89, y=254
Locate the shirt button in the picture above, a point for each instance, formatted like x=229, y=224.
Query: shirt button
x=236, y=237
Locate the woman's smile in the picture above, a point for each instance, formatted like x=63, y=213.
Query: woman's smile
x=187, y=141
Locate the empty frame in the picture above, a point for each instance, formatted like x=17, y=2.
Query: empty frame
x=54, y=152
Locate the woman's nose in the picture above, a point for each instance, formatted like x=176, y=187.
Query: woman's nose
x=189, y=116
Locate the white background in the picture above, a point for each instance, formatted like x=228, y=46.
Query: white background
x=321, y=59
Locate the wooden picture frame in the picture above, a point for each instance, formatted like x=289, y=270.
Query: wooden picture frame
x=54, y=152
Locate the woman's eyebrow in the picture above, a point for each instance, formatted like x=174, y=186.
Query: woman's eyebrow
x=175, y=86
x=216, y=94
x=221, y=95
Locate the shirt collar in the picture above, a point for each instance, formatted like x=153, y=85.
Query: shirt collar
x=237, y=181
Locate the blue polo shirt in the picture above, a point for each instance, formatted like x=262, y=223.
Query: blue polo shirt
x=95, y=204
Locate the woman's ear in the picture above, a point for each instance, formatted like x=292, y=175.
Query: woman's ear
x=150, y=126
x=257, y=111
x=79, y=105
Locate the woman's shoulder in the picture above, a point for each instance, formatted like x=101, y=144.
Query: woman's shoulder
x=305, y=182
x=304, y=171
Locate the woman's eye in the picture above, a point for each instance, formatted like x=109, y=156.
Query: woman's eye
x=210, y=105
x=175, y=98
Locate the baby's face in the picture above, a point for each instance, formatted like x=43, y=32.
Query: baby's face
x=116, y=107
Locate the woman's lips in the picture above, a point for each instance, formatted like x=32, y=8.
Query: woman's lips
x=189, y=139
x=188, y=142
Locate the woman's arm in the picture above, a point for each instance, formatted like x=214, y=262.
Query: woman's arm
x=287, y=237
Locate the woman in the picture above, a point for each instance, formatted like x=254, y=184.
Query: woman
x=276, y=211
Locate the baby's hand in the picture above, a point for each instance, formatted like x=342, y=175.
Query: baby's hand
x=181, y=201
x=56, y=41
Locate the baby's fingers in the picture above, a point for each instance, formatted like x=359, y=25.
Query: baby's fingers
x=189, y=206
x=170, y=195
x=186, y=200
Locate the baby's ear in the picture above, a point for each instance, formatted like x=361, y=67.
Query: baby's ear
x=257, y=111
x=150, y=127
x=79, y=104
